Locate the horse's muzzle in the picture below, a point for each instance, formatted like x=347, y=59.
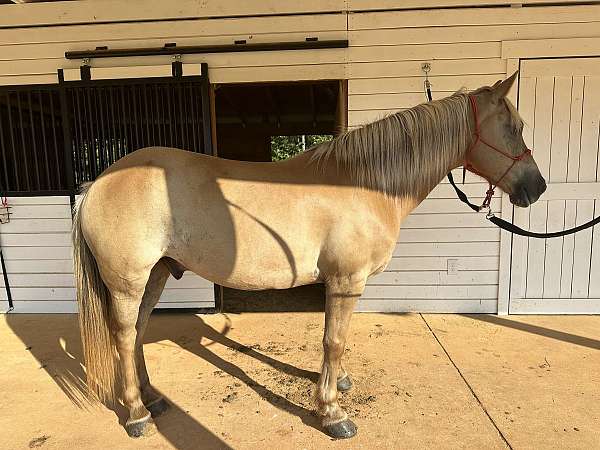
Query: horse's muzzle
x=528, y=191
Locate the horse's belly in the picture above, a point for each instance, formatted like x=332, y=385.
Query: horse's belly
x=269, y=279
x=255, y=260
x=258, y=273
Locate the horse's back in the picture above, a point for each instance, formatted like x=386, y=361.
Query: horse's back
x=210, y=214
x=240, y=224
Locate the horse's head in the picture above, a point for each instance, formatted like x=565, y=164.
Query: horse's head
x=500, y=154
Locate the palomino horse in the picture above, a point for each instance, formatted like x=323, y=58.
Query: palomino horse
x=330, y=215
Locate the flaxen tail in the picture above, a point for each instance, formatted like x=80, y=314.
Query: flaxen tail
x=94, y=315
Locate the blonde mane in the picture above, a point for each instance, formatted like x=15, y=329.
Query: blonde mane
x=405, y=154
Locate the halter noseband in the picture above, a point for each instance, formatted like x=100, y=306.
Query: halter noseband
x=477, y=133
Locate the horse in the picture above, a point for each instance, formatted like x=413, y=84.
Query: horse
x=329, y=215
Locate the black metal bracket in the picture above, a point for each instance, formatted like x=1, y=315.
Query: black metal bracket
x=172, y=49
x=85, y=72
x=177, y=69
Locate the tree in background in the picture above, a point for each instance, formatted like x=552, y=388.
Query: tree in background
x=283, y=147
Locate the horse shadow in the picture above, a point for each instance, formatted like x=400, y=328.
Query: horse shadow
x=57, y=347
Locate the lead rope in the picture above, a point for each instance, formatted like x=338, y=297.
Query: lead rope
x=500, y=223
x=4, y=201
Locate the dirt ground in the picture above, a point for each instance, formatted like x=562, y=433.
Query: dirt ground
x=246, y=381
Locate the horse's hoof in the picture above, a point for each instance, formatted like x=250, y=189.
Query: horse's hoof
x=341, y=430
x=344, y=384
x=157, y=407
x=140, y=427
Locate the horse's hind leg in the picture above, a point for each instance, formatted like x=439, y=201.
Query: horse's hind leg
x=125, y=305
x=341, y=299
x=153, y=401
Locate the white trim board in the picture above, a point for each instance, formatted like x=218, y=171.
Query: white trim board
x=551, y=48
x=555, y=306
x=108, y=73
x=402, y=305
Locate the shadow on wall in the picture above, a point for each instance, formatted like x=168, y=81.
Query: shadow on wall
x=57, y=347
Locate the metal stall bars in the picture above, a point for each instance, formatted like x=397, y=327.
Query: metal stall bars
x=110, y=118
x=31, y=141
x=55, y=137
x=31, y=153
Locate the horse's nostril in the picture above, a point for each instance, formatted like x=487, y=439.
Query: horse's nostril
x=543, y=186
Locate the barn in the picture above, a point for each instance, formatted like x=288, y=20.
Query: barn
x=82, y=85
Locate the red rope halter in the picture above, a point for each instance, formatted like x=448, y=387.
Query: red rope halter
x=477, y=133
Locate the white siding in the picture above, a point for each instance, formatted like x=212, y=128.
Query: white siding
x=34, y=55
x=38, y=254
x=464, y=47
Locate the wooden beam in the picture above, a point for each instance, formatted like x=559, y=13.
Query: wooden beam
x=213, y=123
x=341, y=113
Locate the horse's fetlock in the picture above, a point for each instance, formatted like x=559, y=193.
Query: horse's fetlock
x=334, y=414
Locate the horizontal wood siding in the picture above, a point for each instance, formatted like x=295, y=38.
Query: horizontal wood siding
x=29, y=55
x=36, y=14
x=38, y=254
x=447, y=257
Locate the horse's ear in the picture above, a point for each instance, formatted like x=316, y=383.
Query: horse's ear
x=502, y=88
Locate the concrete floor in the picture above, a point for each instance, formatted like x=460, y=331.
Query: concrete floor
x=246, y=381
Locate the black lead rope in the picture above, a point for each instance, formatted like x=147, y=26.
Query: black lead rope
x=511, y=227
x=6, y=283
x=501, y=223
x=5, y=276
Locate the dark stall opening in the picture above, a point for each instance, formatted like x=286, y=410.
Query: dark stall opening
x=270, y=121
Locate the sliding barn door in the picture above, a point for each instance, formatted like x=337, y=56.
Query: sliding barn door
x=559, y=99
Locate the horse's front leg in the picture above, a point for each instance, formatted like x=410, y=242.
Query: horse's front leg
x=340, y=302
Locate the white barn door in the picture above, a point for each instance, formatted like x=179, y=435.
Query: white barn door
x=560, y=102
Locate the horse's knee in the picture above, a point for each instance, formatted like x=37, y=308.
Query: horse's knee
x=333, y=347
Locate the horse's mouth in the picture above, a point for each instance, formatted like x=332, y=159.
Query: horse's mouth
x=524, y=197
x=521, y=200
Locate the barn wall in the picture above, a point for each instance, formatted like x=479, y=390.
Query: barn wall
x=38, y=255
x=382, y=65
x=384, y=71
x=32, y=55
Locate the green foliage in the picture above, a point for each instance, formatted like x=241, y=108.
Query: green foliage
x=283, y=147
